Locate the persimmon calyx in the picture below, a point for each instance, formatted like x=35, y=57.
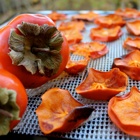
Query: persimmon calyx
x=37, y=48
x=9, y=110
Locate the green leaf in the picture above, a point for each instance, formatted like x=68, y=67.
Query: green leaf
x=4, y=128
x=9, y=109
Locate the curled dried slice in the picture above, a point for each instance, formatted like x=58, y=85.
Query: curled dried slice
x=133, y=27
x=76, y=66
x=73, y=36
x=55, y=16
x=132, y=43
x=78, y=25
x=129, y=64
x=97, y=50
x=88, y=16
x=124, y=112
x=60, y=112
x=110, y=20
x=99, y=85
x=93, y=49
x=105, y=34
x=128, y=13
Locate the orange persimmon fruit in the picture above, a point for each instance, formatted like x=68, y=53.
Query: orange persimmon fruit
x=99, y=85
x=129, y=64
x=124, y=112
x=60, y=112
x=40, y=51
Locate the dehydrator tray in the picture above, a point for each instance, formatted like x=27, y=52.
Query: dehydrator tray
x=99, y=127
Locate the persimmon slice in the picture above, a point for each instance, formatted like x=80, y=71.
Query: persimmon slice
x=79, y=25
x=124, y=111
x=80, y=49
x=99, y=85
x=129, y=64
x=133, y=27
x=89, y=16
x=55, y=16
x=60, y=112
x=110, y=20
x=76, y=66
x=94, y=49
x=128, y=13
x=73, y=36
x=132, y=43
x=105, y=34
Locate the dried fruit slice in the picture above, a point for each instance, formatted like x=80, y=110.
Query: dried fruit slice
x=55, y=16
x=110, y=20
x=73, y=36
x=80, y=49
x=97, y=50
x=129, y=64
x=128, y=13
x=78, y=25
x=99, y=85
x=105, y=34
x=132, y=43
x=124, y=112
x=133, y=27
x=76, y=66
x=89, y=16
x=60, y=112
x=93, y=49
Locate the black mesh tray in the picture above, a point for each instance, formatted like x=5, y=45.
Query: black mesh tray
x=99, y=126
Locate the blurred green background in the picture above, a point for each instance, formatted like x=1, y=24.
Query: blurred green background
x=10, y=7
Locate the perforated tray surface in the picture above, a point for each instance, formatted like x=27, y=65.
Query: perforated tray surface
x=99, y=126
